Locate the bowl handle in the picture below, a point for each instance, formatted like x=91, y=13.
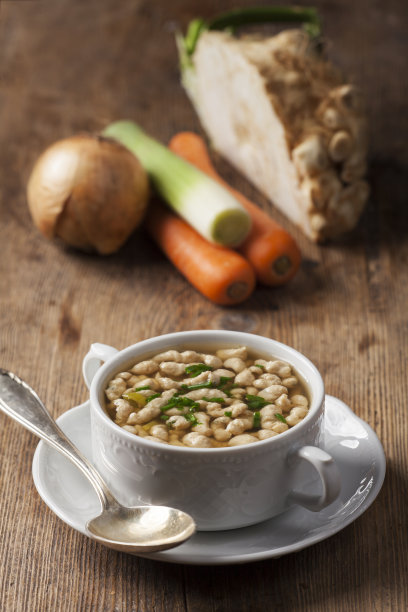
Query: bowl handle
x=329, y=474
x=97, y=354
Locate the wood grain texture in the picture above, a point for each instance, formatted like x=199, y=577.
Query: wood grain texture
x=73, y=66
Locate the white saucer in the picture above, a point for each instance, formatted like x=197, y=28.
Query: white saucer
x=351, y=442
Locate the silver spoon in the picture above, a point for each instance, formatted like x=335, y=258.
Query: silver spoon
x=136, y=529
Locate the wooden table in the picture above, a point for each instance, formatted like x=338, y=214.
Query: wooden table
x=72, y=66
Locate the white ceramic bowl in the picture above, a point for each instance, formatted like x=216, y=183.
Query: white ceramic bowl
x=222, y=488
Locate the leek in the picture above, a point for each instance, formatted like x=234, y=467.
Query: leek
x=230, y=20
x=204, y=204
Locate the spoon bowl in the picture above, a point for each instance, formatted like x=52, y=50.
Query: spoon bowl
x=134, y=530
x=157, y=527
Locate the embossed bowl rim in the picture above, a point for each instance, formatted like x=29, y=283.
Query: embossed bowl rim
x=199, y=339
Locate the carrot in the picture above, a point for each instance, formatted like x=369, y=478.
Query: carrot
x=219, y=273
x=269, y=248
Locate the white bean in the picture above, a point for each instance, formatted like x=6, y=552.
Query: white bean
x=146, y=414
x=145, y=367
x=222, y=372
x=222, y=435
x=178, y=422
x=283, y=402
x=285, y=371
x=279, y=427
x=123, y=410
x=242, y=439
x=238, y=426
x=299, y=400
x=275, y=366
x=270, y=410
x=160, y=431
x=203, y=426
x=220, y=422
x=148, y=382
x=271, y=422
x=237, y=409
x=263, y=434
x=172, y=368
x=296, y=415
x=266, y=380
x=252, y=390
x=272, y=393
x=176, y=411
x=244, y=378
x=190, y=357
x=124, y=375
x=167, y=383
x=196, y=440
x=198, y=394
x=215, y=410
x=171, y=355
x=262, y=363
x=238, y=392
x=240, y=352
x=167, y=395
x=273, y=379
x=203, y=377
x=134, y=380
x=116, y=387
x=290, y=382
x=235, y=363
x=212, y=361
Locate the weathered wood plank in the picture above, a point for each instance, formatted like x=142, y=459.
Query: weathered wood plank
x=70, y=66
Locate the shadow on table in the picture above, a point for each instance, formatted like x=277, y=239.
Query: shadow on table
x=140, y=259
x=385, y=219
x=345, y=571
x=384, y=225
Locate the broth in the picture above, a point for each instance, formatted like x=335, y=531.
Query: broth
x=210, y=397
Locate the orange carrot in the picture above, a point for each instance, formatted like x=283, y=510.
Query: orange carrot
x=270, y=249
x=220, y=274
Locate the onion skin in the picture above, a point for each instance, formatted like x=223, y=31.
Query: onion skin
x=89, y=191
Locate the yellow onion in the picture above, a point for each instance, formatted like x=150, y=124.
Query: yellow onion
x=89, y=191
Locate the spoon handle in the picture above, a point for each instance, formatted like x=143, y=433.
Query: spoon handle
x=22, y=404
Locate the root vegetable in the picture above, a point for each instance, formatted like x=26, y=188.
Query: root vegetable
x=320, y=190
x=220, y=274
x=348, y=98
x=340, y=146
x=204, y=204
x=88, y=191
x=280, y=112
x=269, y=248
x=310, y=156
